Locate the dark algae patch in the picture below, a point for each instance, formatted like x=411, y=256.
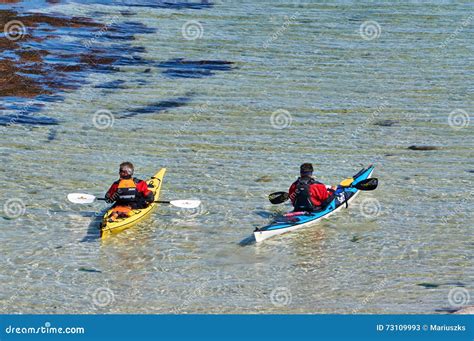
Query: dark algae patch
x=173, y=73
x=171, y=4
x=385, y=123
x=264, y=178
x=118, y=84
x=37, y=63
x=158, y=106
x=429, y=285
x=164, y=4
x=49, y=54
x=8, y=120
x=414, y=147
x=52, y=135
x=24, y=70
x=436, y=285
x=181, y=68
x=84, y=269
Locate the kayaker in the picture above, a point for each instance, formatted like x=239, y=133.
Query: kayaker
x=306, y=193
x=128, y=193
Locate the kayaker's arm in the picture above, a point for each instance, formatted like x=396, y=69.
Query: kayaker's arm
x=110, y=195
x=291, y=192
x=149, y=197
x=319, y=192
x=142, y=187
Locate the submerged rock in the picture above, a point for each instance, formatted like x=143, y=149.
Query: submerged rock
x=157, y=107
x=429, y=285
x=89, y=270
x=385, y=123
x=265, y=178
x=414, y=147
x=355, y=239
x=52, y=135
x=181, y=68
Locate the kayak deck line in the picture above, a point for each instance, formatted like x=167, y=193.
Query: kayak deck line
x=294, y=221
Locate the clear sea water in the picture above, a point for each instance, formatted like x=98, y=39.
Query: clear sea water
x=339, y=84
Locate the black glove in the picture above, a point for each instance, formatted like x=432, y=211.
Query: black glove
x=149, y=198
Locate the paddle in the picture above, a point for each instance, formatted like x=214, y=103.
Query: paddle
x=367, y=184
x=278, y=197
x=363, y=185
x=82, y=198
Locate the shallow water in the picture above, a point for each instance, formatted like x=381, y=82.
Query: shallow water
x=203, y=109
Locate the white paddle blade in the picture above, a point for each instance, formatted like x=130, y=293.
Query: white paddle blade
x=186, y=203
x=80, y=198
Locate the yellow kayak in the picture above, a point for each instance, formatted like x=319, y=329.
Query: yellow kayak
x=121, y=224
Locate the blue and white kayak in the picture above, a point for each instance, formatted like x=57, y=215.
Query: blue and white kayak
x=292, y=221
